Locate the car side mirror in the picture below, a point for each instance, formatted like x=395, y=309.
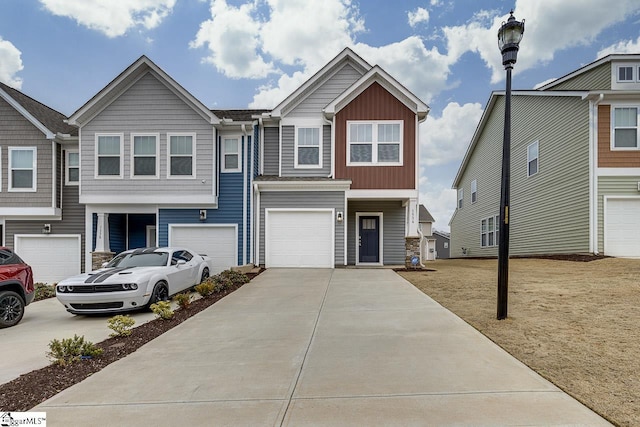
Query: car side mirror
x=104, y=264
x=180, y=262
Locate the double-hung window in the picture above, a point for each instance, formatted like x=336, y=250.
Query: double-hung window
x=231, y=158
x=474, y=191
x=532, y=159
x=460, y=197
x=181, y=156
x=109, y=155
x=72, y=176
x=374, y=143
x=489, y=231
x=22, y=168
x=625, y=73
x=308, y=147
x=625, y=128
x=145, y=156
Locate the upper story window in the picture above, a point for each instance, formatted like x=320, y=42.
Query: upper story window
x=625, y=74
x=145, y=156
x=22, y=168
x=374, y=143
x=109, y=155
x=308, y=147
x=460, y=197
x=181, y=157
x=474, y=191
x=625, y=128
x=532, y=159
x=72, y=175
x=231, y=159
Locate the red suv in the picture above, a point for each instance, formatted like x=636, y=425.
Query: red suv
x=16, y=287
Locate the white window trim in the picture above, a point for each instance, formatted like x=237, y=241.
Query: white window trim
x=496, y=229
x=193, y=155
x=66, y=167
x=634, y=77
x=613, y=128
x=223, y=153
x=96, y=175
x=529, y=160
x=132, y=162
x=460, y=198
x=295, y=155
x=374, y=143
x=474, y=191
x=34, y=188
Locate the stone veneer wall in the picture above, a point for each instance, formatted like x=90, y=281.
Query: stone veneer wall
x=412, y=245
x=98, y=258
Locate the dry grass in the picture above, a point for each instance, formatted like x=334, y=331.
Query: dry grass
x=575, y=323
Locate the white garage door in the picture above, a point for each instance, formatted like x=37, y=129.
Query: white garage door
x=52, y=257
x=622, y=228
x=220, y=242
x=299, y=238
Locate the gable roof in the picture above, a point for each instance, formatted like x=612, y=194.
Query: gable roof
x=46, y=119
x=384, y=79
x=424, y=215
x=344, y=57
x=126, y=79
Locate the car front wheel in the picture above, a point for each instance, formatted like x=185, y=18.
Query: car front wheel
x=160, y=293
x=205, y=275
x=11, y=309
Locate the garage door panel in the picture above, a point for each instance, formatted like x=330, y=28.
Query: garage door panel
x=51, y=257
x=218, y=242
x=299, y=239
x=622, y=228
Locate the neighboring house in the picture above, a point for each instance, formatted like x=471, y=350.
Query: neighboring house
x=338, y=180
x=428, y=250
x=40, y=217
x=442, y=244
x=575, y=167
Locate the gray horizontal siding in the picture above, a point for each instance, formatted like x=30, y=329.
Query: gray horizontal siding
x=393, y=225
x=613, y=186
x=597, y=79
x=147, y=106
x=288, y=154
x=304, y=200
x=271, y=151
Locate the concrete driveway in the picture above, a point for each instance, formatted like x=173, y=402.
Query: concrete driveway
x=25, y=345
x=319, y=347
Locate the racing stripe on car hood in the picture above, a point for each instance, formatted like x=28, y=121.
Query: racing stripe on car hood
x=101, y=277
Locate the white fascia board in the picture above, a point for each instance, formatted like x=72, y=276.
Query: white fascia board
x=618, y=172
x=31, y=213
x=20, y=109
x=196, y=200
x=382, y=194
x=612, y=95
x=263, y=186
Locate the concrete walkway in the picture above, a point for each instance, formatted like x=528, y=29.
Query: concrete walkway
x=319, y=347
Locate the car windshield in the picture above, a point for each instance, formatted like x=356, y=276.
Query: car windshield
x=132, y=259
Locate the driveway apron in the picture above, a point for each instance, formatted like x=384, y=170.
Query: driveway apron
x=319, y=347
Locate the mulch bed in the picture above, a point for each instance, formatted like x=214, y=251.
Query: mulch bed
x=31, y=389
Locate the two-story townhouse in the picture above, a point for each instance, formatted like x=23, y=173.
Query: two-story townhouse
x=40, y=216
x=575, y=167
x=157, y=167
x=338, y=180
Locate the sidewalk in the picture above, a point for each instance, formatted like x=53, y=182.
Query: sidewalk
x=319, y=347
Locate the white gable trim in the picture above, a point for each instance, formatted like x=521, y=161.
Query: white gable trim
x=20, y=109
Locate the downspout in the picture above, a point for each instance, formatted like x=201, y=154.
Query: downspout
x=244, y=194
x=593, y=172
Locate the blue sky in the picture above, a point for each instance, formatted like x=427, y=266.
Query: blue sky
x=253, y=53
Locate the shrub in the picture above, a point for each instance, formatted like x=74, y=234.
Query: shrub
x=236, y=277
x=44, y=291
x=205, y=288
x=121, y=325
x=162, y=310
x=183, y=300
x=71, y=349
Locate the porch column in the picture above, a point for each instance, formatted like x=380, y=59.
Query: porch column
x=412, y=236
x=102, y=233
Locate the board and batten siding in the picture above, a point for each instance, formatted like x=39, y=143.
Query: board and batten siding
x=148, y=106
x=393, y=227
x=321, y=96
x=304, y=200
x=613, y=186
x=271, y=161
x=549, y=211
x=288, y=154
x=17, y=131
x=597, y=79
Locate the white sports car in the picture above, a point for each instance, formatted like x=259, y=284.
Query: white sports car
x=133, y=279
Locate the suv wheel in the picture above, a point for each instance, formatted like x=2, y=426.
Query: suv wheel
x=11, y=308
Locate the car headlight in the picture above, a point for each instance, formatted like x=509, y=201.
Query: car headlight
x=62, y=289
x=129, y=286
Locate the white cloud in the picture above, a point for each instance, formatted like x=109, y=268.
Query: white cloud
x=439, y=200
x=445, y=139
x=624, y=46
x=417, y=16
x=112, y=17
x=10, y=64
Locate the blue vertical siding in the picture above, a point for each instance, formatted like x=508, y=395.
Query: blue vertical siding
x=117, y=232
x=138, y=229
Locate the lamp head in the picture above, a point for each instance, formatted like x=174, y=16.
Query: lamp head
x=509, y=36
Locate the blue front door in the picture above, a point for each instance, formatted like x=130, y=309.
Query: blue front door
x=369, y=239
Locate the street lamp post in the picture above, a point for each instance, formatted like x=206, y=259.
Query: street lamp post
x=509, y=37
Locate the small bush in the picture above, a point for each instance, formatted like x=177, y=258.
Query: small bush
x=71, y=349
x=162, y=310
x=121, y=325
x=236, y=277
x=44, y=291
x=183, y=300
x=205, y=288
